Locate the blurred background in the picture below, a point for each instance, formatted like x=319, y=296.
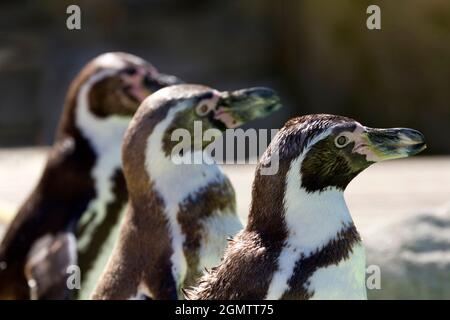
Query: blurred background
x=317, y=54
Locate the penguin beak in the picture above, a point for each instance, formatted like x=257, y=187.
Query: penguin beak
x=154, y=82
x=386, y=144
x=238, y=107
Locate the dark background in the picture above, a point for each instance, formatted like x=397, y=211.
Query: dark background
x=318, y=54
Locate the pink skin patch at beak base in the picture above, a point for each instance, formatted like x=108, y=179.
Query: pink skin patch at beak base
x=365, y=150
x=362, y=145
x=138, y=92
x=224, y=116
x=134, y=84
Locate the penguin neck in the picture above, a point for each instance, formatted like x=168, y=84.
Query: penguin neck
x=104, y=137
x=307, y=221
x=313, y=218
x=104, y=134
x=174, y=182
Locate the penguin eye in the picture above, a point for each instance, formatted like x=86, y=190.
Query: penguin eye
x=202, y=109
x=130, y=71
x=341, y=141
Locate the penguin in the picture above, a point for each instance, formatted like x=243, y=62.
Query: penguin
x=82, y=179
x=300, y=241
x=180, y=214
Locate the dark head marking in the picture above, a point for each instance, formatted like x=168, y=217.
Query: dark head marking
x=212, y=109
x=122, y=82
x=336, y=149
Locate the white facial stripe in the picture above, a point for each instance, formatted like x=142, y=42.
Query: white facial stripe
x=168, y=93
x=102, y=133
x=353, y=136
x=110, y=60
x=115, y=61
x=210, y=104
x=174, y=183
x=312, y=220
x=134, y=59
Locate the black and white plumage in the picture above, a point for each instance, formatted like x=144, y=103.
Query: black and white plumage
x=82, y=179
x=300, y=241
x=181, y=214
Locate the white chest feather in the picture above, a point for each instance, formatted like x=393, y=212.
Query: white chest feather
x=175, y=183
x=343, y=281
x=312, y=221
x=218, y=227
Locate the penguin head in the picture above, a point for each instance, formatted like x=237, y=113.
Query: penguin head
x=332, y=150
x=117, y=82
x=203, y=113
x=235, y=108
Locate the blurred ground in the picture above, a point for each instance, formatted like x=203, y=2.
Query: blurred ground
x=382, y=193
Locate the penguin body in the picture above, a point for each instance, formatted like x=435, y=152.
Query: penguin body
x=180, y=215
x=300, y=241
x=82, y=179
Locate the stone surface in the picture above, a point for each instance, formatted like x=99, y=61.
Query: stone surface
x=413, y=254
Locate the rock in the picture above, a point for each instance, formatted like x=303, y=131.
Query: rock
x=413, y=254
